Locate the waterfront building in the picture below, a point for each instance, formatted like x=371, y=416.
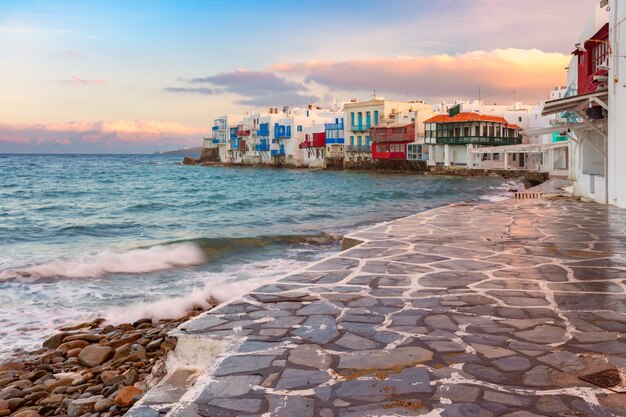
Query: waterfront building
x=550, y=158
x=452, y=135
x=334, y=138
x=363, y=115
x=616, y=148
x=585, y=112
x=222, y=133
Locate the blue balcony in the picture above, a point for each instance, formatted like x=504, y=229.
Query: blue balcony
x=334, y=141
x=264, y=129
x=282, y=131
x=278, y=152
x=214, y=128
x=264, y=146
x=233, y=133
x=333, y=126
x=234, y=143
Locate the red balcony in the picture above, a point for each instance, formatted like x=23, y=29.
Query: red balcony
x=242, y=132
x=399, y=132
x=318, y=140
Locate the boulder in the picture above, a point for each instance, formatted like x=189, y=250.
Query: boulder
x=94, y=355
x=12, y=366
x=87, y=337
x=26, y=413
x=127, y=396
x=55, y=341
x=74, y=344
x=104, y=404
x=51, y=384
x=83, y=406
x=4, y=405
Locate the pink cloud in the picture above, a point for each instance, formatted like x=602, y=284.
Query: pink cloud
x=530, y=73
x=113, y=135
x=76, y=80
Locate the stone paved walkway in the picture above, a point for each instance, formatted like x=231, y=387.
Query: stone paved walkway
x=468, y=310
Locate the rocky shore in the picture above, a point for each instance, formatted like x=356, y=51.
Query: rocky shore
x=91, y=369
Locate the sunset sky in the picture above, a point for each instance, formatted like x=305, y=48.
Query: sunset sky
x=140, y=76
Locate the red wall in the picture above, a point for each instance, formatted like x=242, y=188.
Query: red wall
x=585, y=79
x=379, y=152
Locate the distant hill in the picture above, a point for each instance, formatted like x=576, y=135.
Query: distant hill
x=184, y=151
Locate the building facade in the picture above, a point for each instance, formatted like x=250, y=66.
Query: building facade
x=450, y=136
x=617, y=104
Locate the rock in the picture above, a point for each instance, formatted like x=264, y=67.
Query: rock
x=128, y=350
x=12, y=366
x=36, y=396
x=8, y=393
x=131, y=376
x=15, y=403
x=188, y=160
x=87, y=337
x=127, y=396
x=94, y=355
x=73, y=353
x=108, y=375
x=103, y=405
x=154, y=345
x=311, y=356
x=51, y=384
x=26, y=413
x=55, y=341
x=83, y=406
x=67, y=346
x=4, y=405
x=52, y=399
x=81, y=379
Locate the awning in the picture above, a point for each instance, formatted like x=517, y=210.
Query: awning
x=575, y=103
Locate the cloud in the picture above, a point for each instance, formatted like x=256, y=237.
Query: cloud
x=531, y=73
x=191, y=90
x=258, y=88
x=76, y=80
x=100, y=136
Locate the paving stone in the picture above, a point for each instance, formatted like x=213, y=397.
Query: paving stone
x=440, y=321
x=457, y=393
x=543, y=334
x=465, y=410
x=614, y=347
x=301, y=378
x=492, y=352
x=508, y=399
x=565, y=361
x=485, y=373
x=408, y=381
x=202, y=323
x=311, y=356
x=318, y=329
x=538, y=377
x=551, y=404
x=249, y=405
x=512, y=363
x=290, y=406
x=319, y=307
x=354, y=342
x=239, y=364
x=229, y=386
x=522, y=414
x=384, y=359
x=446, y=346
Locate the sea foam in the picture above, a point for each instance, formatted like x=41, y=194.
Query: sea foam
x=135, y=261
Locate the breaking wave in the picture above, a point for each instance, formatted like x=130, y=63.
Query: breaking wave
x=179, y=254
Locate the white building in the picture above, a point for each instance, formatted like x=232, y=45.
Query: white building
x=617, y=104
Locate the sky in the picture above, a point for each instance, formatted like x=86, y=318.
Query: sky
x=140, y=76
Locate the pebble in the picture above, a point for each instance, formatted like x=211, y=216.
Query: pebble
x=85, y=370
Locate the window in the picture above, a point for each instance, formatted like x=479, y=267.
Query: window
x=368, y=119
x=367, y=141
x=351, y=140
x=358, y=140
x=485, y=130
x=599, y=53
x=466, y=131
x=519, y=119
x=299, y=128
x=352, y=118
x=360, y=115
x=375, y=117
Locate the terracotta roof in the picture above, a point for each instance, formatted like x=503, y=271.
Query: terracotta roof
x=513, y=126
x=466, y=117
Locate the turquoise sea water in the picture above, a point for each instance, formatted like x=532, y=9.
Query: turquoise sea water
x=125, y=236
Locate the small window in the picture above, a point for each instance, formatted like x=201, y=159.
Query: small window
x=519, y=119
x=299, y=128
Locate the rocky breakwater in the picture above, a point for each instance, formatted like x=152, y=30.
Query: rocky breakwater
x=92, y=369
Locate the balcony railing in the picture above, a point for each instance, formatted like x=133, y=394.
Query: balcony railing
x=333, y=126
x=278, y=152
x=234, y=144
x=214, y=128
x=334, y=141
x=262, y=147
x=264, y=129
x=282, y=131
x=389, y=136
x=243, y=132
x=358, y=148
x=360, y=128
x=478, y=140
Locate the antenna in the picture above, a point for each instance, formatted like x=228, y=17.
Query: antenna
x=479, y=98
x=514, y=96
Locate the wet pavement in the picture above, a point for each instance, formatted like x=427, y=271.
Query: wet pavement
x=469, y=310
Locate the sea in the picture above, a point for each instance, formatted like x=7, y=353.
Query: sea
x=130, y=236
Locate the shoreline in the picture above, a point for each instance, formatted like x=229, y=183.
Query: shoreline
x=91, y=367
